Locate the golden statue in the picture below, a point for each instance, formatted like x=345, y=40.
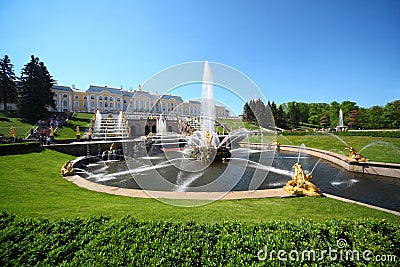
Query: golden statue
x=209, y=138
x=355, y=156
x=300, y=183
x=78, y=133
x=51, y=131
x=90, y=133
x=112, y=147
x=67, y=169
x=13, y=132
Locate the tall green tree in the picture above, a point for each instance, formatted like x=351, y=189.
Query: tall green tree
x=353, y=118
x=248, y=114
x=35, y=91
x=280, y=119
x=324, y=120
x=334, y=114
x=391, y=114
x=293, y=115
x=303, y=112
x=8, y=89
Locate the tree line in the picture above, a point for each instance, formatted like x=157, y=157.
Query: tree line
x=31, y=90
x=293, y=114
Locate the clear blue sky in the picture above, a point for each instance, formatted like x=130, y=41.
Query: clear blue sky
x=301, y=50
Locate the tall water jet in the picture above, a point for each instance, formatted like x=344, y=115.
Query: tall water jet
x=120, y=125
x=97, y=123
x=161, y=127
x=341, y=127
x=207, y=108
x=340, y=118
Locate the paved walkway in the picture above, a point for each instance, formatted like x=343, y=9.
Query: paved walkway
x=82, y=182
x=266, y=193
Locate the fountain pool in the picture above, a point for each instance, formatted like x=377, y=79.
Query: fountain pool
x=219, y=177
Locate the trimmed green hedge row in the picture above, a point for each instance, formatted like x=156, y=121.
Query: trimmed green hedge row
x=20, y=148
x=372, y=134
x=361, y=133
x=100, y=241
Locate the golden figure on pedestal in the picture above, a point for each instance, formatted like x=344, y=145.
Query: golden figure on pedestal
x=355, y=156
x=209, y=138
x=13, y=132
x=67, y=169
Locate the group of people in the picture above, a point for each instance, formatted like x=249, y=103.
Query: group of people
x=44, y=137
x=55, y=121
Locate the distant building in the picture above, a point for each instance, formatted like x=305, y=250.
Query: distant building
x=112, y=100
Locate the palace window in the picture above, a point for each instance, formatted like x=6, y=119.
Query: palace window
x=101, y=98
x=92, y=97
x=105, y=98
x=76, y=103
x=111, y=98
x=65, y=95
x=76, y=97
x=84, y=97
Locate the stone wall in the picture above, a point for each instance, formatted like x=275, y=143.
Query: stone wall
x=80, y=148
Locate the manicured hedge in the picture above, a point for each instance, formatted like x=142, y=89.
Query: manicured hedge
x=361, y=133
x=20, y=148
x=373, y=134
x=127, y=242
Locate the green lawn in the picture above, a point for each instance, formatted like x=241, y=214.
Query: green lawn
x=383, y=149
x=9, y=119
x=235, y=124
x=31, y=186
x=79, y=119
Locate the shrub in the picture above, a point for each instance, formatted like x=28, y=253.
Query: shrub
x=391, y=134
x=105, y=242
x=20, y=148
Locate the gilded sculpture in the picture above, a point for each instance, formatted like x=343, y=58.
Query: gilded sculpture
x=300, y=183
x=355, y=156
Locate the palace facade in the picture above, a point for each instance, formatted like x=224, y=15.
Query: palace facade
x=112, y=100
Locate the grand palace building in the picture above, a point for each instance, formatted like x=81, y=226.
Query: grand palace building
x=112, y=100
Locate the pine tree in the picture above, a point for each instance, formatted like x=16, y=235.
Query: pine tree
x=35, y=91
x=280, y=120
x=293, y=115
x=8, y=90
x=248, y=114
x=274, y=110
